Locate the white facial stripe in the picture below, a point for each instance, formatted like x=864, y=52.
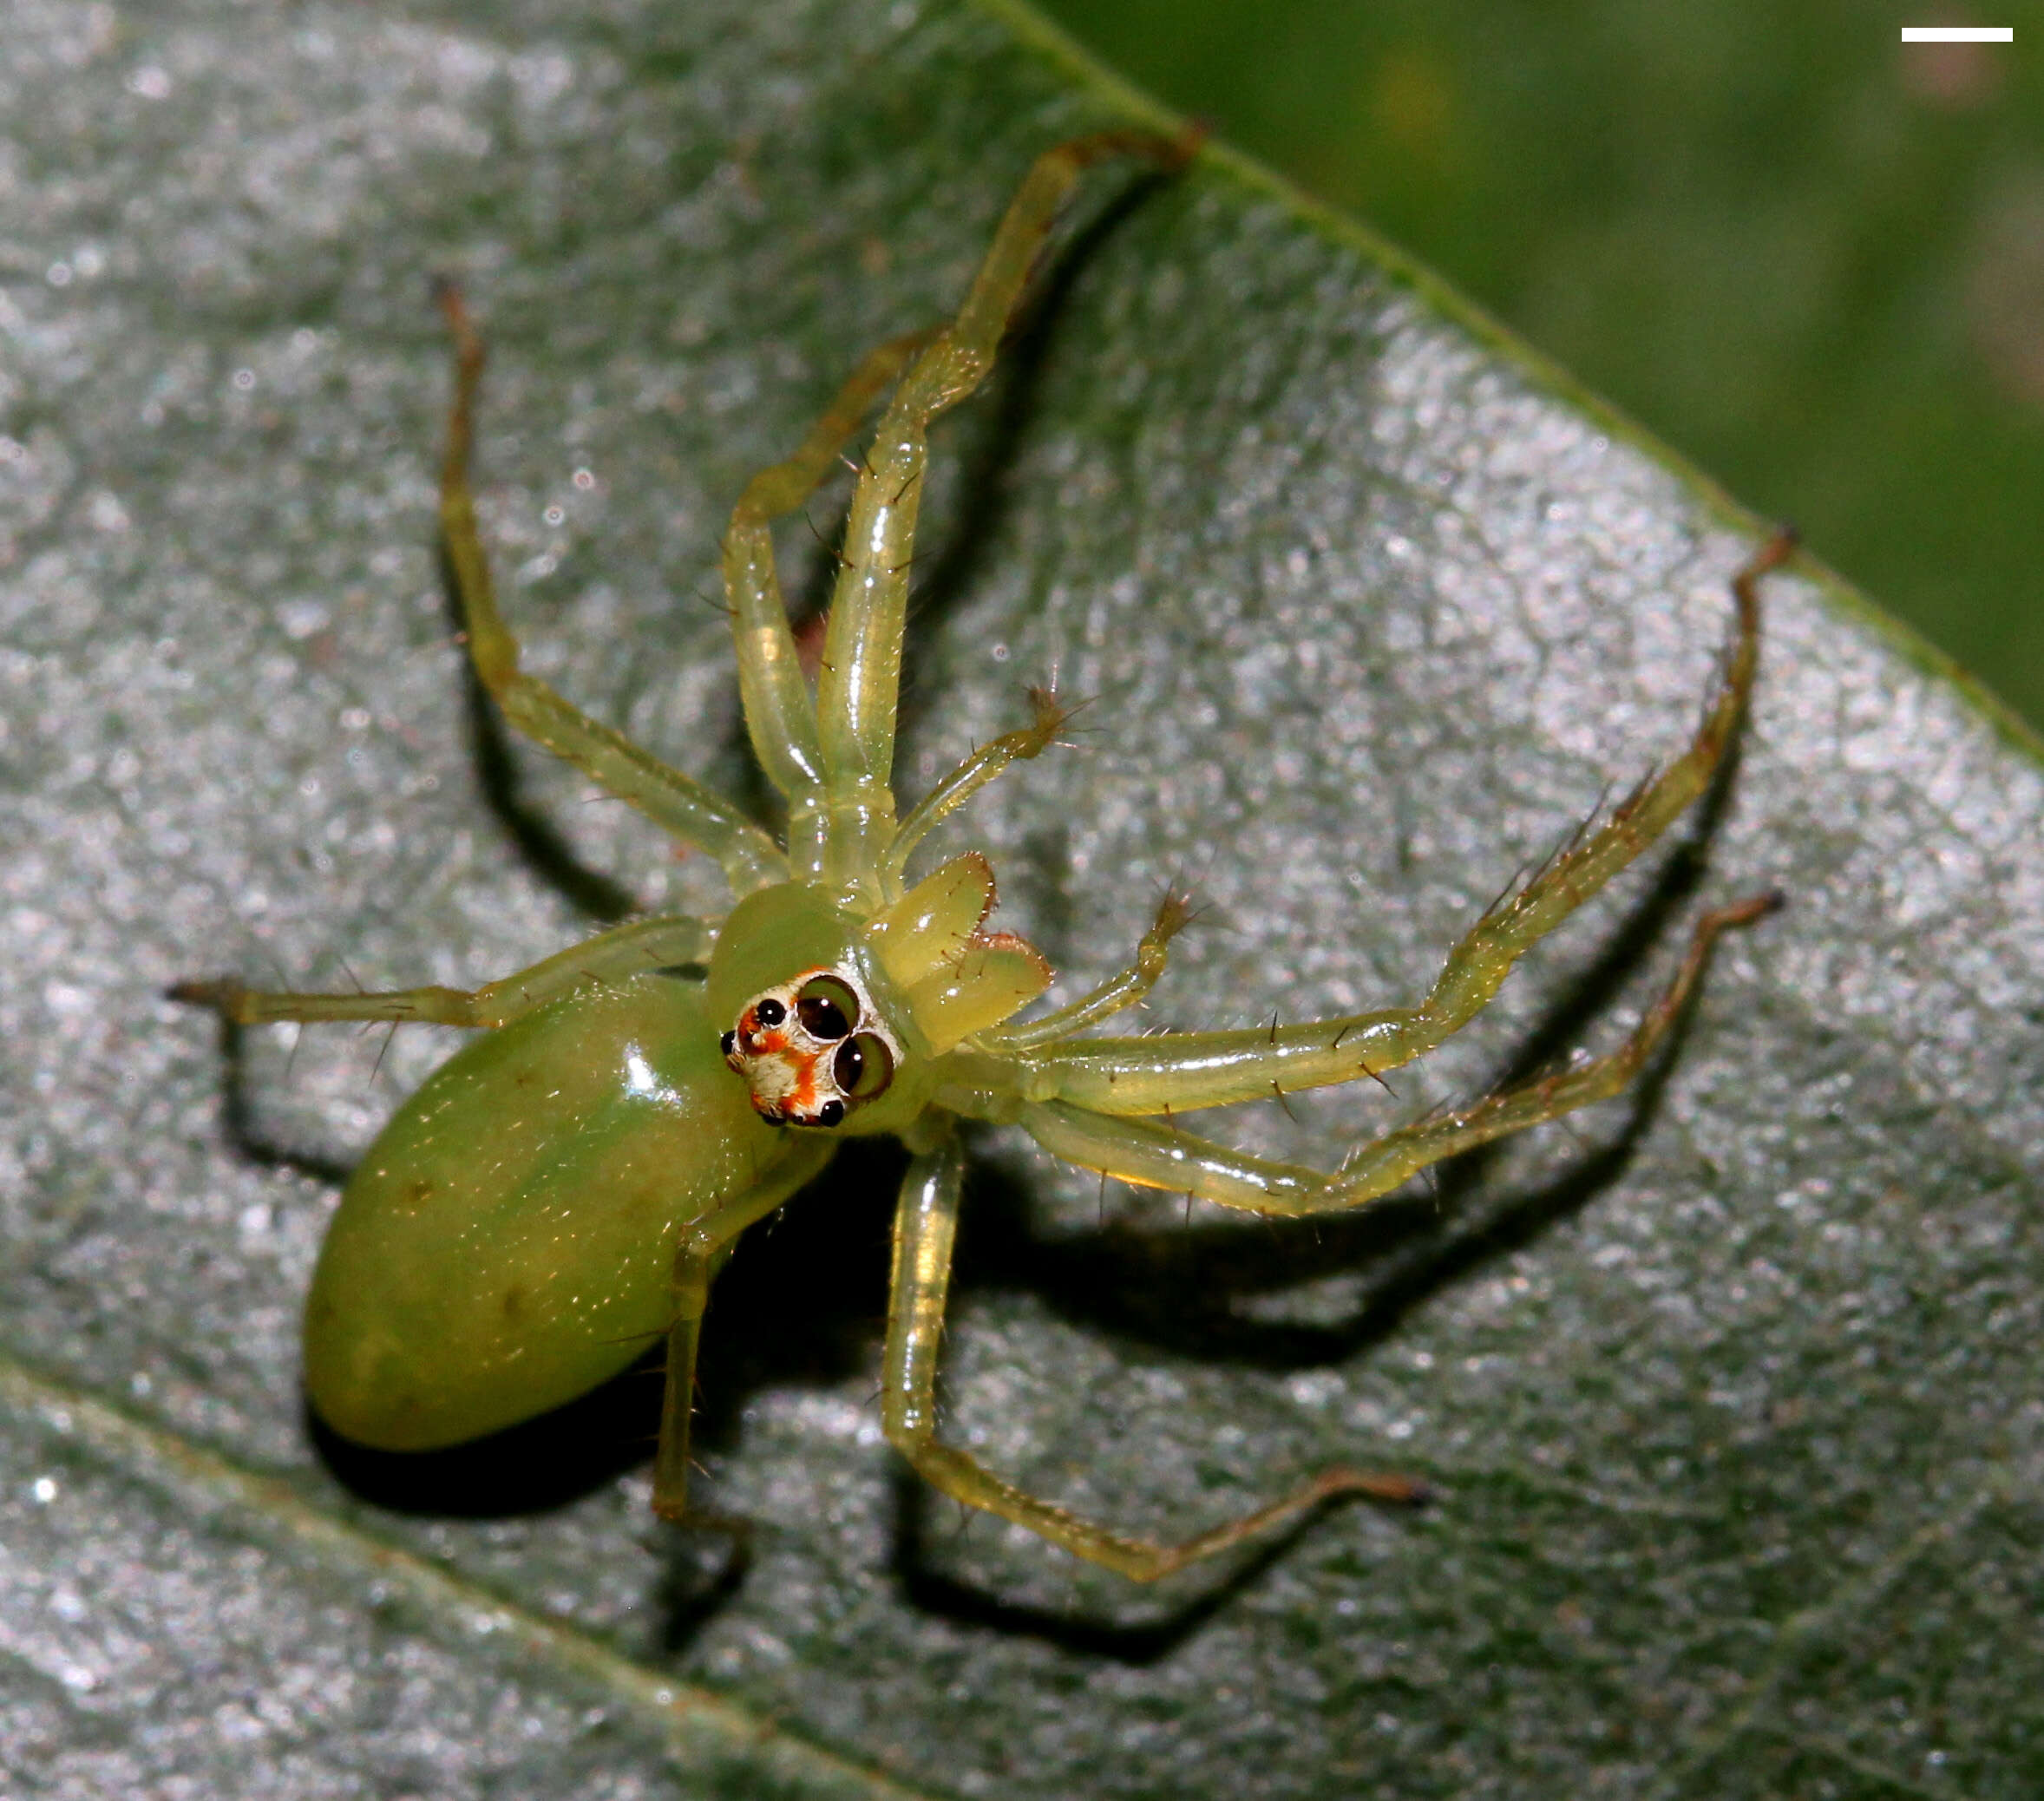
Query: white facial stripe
x=790, y=1070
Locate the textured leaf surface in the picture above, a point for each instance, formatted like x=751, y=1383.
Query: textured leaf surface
x=1730, y=1392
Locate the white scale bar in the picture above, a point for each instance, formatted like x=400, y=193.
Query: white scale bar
x=1958, y=34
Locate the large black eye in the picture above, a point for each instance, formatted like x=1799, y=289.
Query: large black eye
x=863, y=1067
x=827, y=1007
x=769, y=1011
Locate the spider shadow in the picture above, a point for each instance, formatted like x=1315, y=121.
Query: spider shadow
x=1410, y=1246
x=250, y=1139
x=790, y=1318
x=801, y=1305
x=997, y=432
x=1109, y=1282
x=531, y=1468
x=994, y=428
x=1183, y=1291
x=539, y=841
x=1145, y=1633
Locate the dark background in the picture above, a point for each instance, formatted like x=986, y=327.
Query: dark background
x=1810, y=259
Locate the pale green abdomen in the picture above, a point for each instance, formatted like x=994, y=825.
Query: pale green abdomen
x=508, y=1241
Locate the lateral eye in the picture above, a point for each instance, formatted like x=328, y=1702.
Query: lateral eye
x=863, y=1067
x=827, y=1007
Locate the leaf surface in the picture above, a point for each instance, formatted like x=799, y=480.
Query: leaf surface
x=1729, y=1391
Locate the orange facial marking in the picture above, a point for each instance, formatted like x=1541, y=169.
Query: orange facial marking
x=791, y=1066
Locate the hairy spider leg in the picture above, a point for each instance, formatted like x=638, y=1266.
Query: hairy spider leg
x=676, y=802
x=1125, y=988
x=840, y=832
x=974, y=773
x=1183, y=1071
x=1163, y=1156
x=611, y=956
x=926, y=1224
x=704, y=1244
x=779, y=716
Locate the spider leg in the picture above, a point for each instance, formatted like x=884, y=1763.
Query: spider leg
x=693, y=1267
x=975, y=772
x=1163, y=1156
x=705, y=1242
x=843, y=842
x=1120, y=991
x=1209, y=1069
x=779, y=716
x=925, y=1226
x=610, y=957
x=676, y=802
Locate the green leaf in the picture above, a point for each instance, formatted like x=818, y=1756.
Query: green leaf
x=1729, y=1391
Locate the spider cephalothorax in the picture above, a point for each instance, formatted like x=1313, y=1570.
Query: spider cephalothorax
x=812, y=1049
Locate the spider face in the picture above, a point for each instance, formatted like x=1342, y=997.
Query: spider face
x=812, y=1049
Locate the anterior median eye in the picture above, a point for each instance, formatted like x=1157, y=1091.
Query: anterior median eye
x=863, y=1067
x=827, y=1007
